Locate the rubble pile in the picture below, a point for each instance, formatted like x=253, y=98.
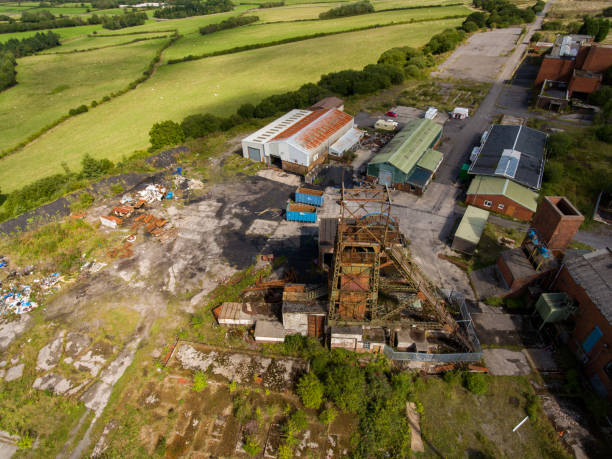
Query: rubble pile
x=17, y=298
x=132, y=209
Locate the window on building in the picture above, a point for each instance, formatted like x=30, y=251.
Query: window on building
x=608, y=369
x=500, y=206
x=488, y=203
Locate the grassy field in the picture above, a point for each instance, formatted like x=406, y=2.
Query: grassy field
x=64, y=32
x=86, y=42
x=456, y=421
x=218, y=85
x=200, y=44
x=50, y=85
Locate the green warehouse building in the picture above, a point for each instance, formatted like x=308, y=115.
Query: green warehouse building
x=409, y=161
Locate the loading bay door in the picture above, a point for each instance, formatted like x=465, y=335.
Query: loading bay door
x=254, y=154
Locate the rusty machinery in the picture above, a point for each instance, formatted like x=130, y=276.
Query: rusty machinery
x=368, y=240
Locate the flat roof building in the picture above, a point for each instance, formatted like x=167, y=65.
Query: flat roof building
x=470, y=230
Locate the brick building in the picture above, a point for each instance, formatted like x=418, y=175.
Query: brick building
x=537, y=260
x=508, y=171
x=573, y=67
x=587, y=279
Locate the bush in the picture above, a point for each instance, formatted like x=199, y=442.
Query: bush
x=560, y=144
x=165, y=134
x=476, y=383
x=532, y=406
x=310, y=391
x=251, y=446
x=352, y=9
x=536, y=37
x=94, y=168
x=604, y=133
x=121, y=21
x=76, y=111
x=552, y=25
x=596, y=27
x=345, y=384
x=328, y=416
x=469, y=26
x=236, y=21
x=196, y=126
x=193, y=8
x=200, y=381
x=553, y=172
x=444, y=41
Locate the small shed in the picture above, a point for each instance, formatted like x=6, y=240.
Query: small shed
x=460, y=113
x=304, y=317
x=350, y=337
x=327, y=103
x=470, y=230
x=269, y=331
x=348, y=142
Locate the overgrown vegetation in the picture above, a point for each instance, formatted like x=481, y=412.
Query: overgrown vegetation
x=230, y=23
x=502, y=14
x=121, y=21
x=352, y=9
x=187, y=8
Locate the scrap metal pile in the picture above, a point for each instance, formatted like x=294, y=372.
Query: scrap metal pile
x=132, y=210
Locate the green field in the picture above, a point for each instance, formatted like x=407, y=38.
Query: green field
x=264, y=33
x=64, y=32
x=51, y=85
x=218, y=85
x=88, y=42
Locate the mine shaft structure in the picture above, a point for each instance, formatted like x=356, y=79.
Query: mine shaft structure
x=369, y=243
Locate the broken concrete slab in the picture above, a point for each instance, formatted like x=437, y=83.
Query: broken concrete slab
x=414, y=421
x=14, y=373
x=262, y=227
x=50, y=354
x=53, y=382
x=76, y=343
x=90, y=362
x=10, y=330
x=503, y=362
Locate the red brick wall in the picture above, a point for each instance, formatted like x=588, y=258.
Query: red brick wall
x=586, y=318
x=517, y=286
x=555, y=69
x=585, y=85
x=556, y=229
x=511, y=208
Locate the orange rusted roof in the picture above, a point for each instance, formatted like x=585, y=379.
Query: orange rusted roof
x=321, y=130
x=301, y=124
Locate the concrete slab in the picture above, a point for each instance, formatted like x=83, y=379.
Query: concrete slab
x=542, y=359
x=501, y=329
x=414, y=420
x=262, y=227
x=281, y=177
x=503, y=362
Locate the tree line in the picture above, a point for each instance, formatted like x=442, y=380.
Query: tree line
x=14, y=48
x=230, y=23
x=598, y=28
x=501, y=13
x=392, y=68
x=352, y=9
x=187, y=8
x=121, y=21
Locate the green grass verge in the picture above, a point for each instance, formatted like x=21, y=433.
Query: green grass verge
x=64, y=32
x=50, y=85
x=217, y=85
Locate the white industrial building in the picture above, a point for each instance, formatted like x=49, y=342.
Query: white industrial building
x=301, y=139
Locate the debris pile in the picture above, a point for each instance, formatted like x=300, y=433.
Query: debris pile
x=17, y=301
x=152, y=193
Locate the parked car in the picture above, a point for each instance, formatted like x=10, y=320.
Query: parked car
x=391, y=113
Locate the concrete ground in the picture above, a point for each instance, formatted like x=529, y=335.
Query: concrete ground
x=482, y=57
x=503, y=362
x=494, y=327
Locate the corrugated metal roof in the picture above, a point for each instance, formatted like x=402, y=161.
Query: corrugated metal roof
x=472, y=224
x=529, y=146
x=347, y=141
x=430, y=160
x=407, y=147
x=321, y=128
x=301, y=124
x=272, y=129
x=520, y=194
x=593, y=272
